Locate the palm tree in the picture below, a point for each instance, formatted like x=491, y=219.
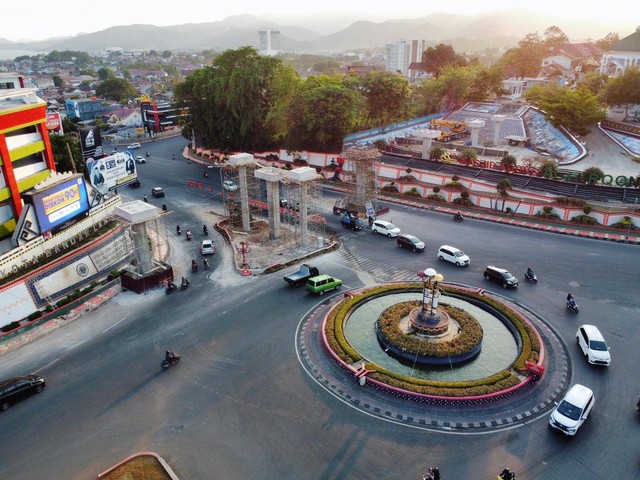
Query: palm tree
x=502, y=188
x=436, y=152
x=508, y=162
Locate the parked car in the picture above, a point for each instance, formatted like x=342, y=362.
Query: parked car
x=410, y=242
x=229, y=186
x=573, y=410
x=17, y=388
x=322, y=283
x=140, y=159
x=300, y=277
x=501, y=276
x=133, y=146
x=351, y=221
x=453, y=255
x=207, y=247
x=385, y=228
x=157, y=192
x=134, y=184
x=593, y=346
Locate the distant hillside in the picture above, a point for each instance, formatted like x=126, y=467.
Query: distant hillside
x=464, y=32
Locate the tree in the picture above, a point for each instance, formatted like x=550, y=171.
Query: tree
x=435, y=59
x=70, y=124
x=623, y=90
x=591, y=175
x=167, y=54
x=153, y=53
x=387, y=96
x=526, y=58
x=549, y=168
x=606, y=42
x=554, y=38
x=63, y=162
x=503, y=186
x=508, y=162
x=595, y=82
x=116, y=89
x=576, y=109
x=436, y=152
x=57, y=81
x=106, y=74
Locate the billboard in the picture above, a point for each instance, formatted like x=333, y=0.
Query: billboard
x=59, y=205
x=91, y=142
x=108, y=173
x=54, y=123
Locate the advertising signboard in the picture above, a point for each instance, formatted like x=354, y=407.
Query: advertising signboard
x=108, y=173
x=54, y=123
x=91, y=142
x=59, y=205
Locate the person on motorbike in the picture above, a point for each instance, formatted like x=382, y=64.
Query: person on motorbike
x=144, y=197
x=173, y=157
x=194, y=265
x=164, y=208
x=530, y=273
x=570, y=299
x=507, y=474
x=148, y=154
x=458, y=215
x=205, y=262
x=169, y=355
x=178, y=229
x=205, y=230
x=188, y=234
x=184, y=282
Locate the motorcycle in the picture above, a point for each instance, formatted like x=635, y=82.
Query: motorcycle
x=506, y=474
x=184, y=284
x=148, y=154
x=457, y=217
x=178, y=230
x=638, y=405
x=169, y=360
x=572, y=305
x=531, y=276
x=206, y=174
x=194, y=266
x=170, y=288
x=188, y=234
x=205, y=262
x=205, y=230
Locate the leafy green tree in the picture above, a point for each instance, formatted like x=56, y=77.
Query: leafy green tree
x=503, y=186
x=153, y=53
x=116, y=89
x=606, y=42
x=57, y=81
x=526, y=58
x=591, y=175
x=21, y=58
x=576, y=109
x=428, y=96
x=167, y=54
x=549, y=169
x=554, y=38
x=63, y=162
x=436, y=152
x=106, y=74
x=387, y=96
x=320, y=113
x=70, y=124
x=508, y=162
x=230, y=102
x=595, y=82
x=435, y=59
x=623, y=90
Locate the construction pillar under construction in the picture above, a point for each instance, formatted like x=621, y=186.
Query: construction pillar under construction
x=272, y=176
x=363, y=163
x=241, y=160
x=303, y=176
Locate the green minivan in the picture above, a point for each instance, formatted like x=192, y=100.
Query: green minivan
x=322, y=283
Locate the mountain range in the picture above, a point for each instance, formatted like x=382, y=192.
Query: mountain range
x=465, y=33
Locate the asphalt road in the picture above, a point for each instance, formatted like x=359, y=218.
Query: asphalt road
x=239, y=405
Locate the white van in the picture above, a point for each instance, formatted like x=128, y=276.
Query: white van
x=573, y=410
x=593, y=346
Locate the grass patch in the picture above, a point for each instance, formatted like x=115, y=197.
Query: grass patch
x=144, y=467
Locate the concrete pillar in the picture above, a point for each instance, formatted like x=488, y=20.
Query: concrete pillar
x=475, y=126
x=497, y=121
x=142, y=248
x=272, y=177
x=428, y=136
x=303, y=176
x=241, y=160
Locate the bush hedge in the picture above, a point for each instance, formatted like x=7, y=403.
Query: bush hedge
x=530, y=346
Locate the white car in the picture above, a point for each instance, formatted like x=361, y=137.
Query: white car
x=573, y=410
x=207, y=247
x=453, y=255
x=385, y=228
x=140, y=159
x=593, y=346
x=229, y=186
x=133, y=146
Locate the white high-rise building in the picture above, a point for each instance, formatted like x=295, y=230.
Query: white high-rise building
x=269, y=44
x=400, y=55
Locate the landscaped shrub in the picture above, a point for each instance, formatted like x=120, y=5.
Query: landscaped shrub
x=547, y=212
x=412, y=192
x=625, y=224
x=34, y=315
x=462, y=201
x=436, y=198
x=390, y=189
x=436, y=189
x=585, y=220
x=571, y=201
x=587, y=209
x=455, y=186
x=547, y=209
x=11, y=326
x=455, y=178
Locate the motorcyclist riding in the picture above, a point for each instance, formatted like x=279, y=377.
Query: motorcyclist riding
x=148, y=154
x=173, y=157
x=194, y=265
x=507, y=474
x=188, y=234
x=205, y=230
x=205, y=262
x=178, y=229
x=164, y=208
x=570, y=299
x=169, y=355
x=457, y=215
x=184, y=282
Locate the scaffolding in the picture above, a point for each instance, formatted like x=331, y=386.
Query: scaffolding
x=360, y=171
x=291, y=193
x=231, y=195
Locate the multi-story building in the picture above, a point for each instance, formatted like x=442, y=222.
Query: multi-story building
x=25, y=151
x=157, y=116
x=269, y=42
x=11, y=81
x=400, y=55
x=623, y=54
x=84, y=109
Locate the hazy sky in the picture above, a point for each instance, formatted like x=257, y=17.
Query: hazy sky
x=37, y=19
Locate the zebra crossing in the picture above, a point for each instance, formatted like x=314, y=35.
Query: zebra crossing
x=379, y=271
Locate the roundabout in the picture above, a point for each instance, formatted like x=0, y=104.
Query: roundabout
x=484, y=387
